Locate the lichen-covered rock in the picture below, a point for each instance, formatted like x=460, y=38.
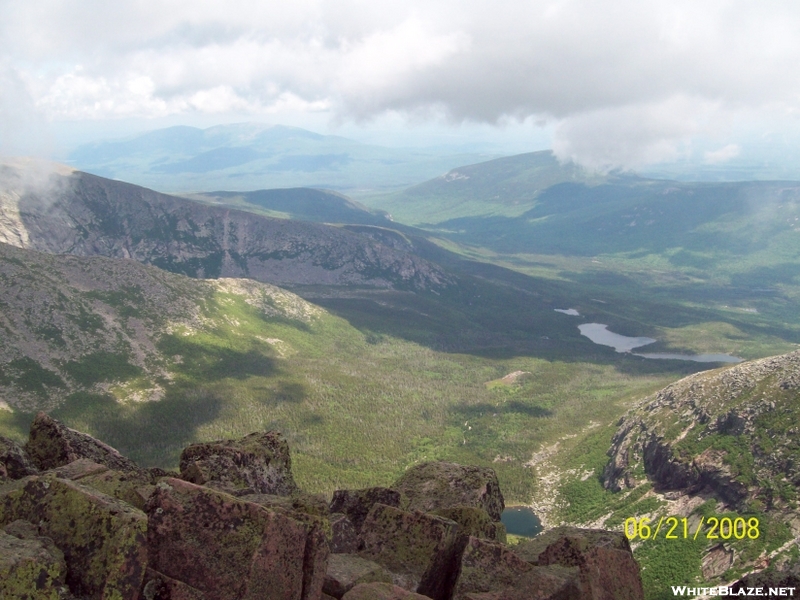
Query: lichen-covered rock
x=312, y=511
x=420, y=550
x=475, y=522
x=435, y=485
x=103, y=539
x=345, y=571
x=14, y=461
x=608, y=570
x=29, y=570
x=230, y=549
x=356, y=504
x=381, y=591
x=259, y=463
x=344, y=539
x=134, y=487
x=51, y=444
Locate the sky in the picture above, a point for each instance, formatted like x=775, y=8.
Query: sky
x=610, y=84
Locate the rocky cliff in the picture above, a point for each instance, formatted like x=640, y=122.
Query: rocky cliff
x=80, y=521
x=81, y=214
x=731, y=432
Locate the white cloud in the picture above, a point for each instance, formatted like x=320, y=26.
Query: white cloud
x=625, y=82
x=715, y=157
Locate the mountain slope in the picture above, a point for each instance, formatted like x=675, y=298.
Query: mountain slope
x=86, y=215
x=504, y=186
x=248, y=156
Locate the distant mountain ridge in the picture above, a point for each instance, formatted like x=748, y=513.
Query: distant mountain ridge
x=87, y=215
x=303, y=204
x=250, y=156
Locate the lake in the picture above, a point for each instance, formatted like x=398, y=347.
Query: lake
x=599, y=334
x=521, y=520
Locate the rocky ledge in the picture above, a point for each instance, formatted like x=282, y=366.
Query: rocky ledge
x=80, y=521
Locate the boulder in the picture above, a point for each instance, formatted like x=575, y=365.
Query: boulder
x=435, y=485
x=344, y=538
x=491, y=571
x=345, y=571
x=420, y=550
x=103, y=539
x=475, y=522
x=51, y=444
x=231, y=549
x=312, y=511
x=381, y=591
x=608, y=570
x=133, y=487
x=257, y=463
x=29, y=570
x=14, y=461
x=356, y=504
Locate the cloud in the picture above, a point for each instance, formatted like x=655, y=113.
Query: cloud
x=715, y=157
x=625, y=83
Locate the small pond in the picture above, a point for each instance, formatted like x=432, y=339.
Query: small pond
x=521, y=520
x=599, y=334
x=568, y=311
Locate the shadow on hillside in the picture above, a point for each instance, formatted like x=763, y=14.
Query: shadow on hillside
x=473, y=411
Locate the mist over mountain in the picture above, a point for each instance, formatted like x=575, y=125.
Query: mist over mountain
x=248, y=156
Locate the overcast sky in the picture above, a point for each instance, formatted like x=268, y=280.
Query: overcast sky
x=607, y=82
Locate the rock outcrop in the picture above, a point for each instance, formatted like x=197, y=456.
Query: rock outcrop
x=730, y=433
x=80, y=521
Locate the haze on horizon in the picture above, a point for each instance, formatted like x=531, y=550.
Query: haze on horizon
x=625, y=84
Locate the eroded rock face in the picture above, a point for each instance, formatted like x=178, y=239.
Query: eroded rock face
x=258, y=463
x=103, y=539
x=227, y=548
x=438, y=485
x=52, y=444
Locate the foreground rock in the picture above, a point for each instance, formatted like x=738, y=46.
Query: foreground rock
x=30, y=567
x=14, y=461
x=227, y=548
x=82, y=521
x=51, y=444
x=103, y=539
x=437, y=485
x=258, y=463
x=604, y=559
